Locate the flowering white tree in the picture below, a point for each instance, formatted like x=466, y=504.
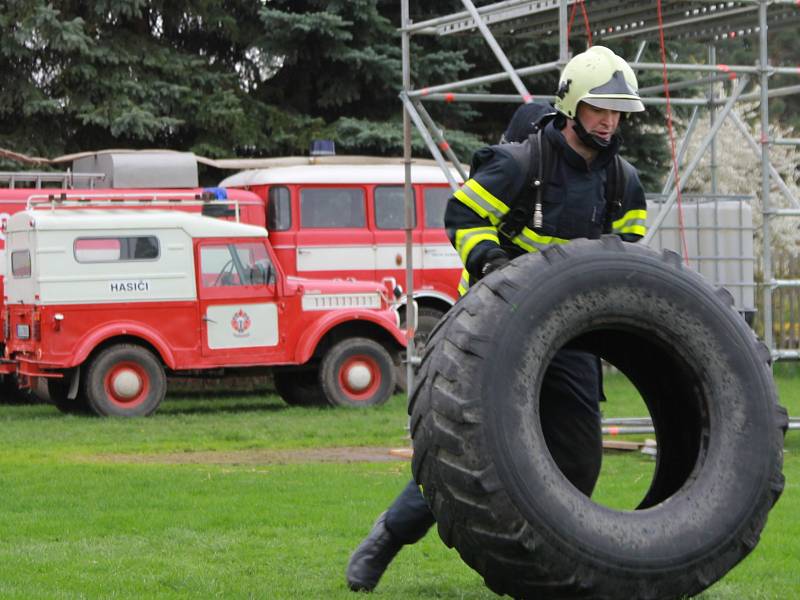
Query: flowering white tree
x=738, y=171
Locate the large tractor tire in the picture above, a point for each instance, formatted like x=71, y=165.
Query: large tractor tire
x=480, y=456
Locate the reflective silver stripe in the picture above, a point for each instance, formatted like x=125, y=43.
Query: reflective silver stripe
x=467, y=239
x=638, y=226
x=630, y=217
x=494, y=213
x=531, y=241
x=465, y=235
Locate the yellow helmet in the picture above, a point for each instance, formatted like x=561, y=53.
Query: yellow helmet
x=600, y=78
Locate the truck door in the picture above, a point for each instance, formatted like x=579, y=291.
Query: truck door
x=238, y=303
x=388, y=214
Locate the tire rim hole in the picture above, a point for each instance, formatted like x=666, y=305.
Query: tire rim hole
x=648, y=377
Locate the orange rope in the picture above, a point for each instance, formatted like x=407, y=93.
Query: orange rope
x=681, y=225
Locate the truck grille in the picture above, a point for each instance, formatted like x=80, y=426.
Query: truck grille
x=334, y=301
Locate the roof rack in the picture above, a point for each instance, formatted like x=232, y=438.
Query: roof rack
x=134, y=199
x=37, y=178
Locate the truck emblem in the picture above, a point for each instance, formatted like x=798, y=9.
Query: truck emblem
x=240, y=322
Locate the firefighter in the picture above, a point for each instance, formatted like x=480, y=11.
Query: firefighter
x=573, y=199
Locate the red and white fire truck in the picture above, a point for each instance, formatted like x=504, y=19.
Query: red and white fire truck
x=333, y=217
x=328, y=216
x=343, y=216
x=102, y=303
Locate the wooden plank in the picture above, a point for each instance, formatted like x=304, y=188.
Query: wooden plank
x=622, y=445
x=607, y=444
x=402, y=452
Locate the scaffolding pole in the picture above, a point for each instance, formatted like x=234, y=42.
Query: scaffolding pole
x=695, y=20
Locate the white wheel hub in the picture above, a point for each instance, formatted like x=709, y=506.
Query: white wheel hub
x=358, y=377
x=127, y=384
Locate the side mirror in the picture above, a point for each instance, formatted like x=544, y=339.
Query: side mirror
x=394, y=290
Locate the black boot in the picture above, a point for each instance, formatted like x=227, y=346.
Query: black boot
x=371, y=558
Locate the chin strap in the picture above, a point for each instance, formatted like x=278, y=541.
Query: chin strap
x=593, y=141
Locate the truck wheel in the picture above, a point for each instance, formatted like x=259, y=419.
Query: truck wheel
x=300, y=387
x=11, y=393
x=481, y=458
x=125, y=381
x=357, y=372
x=427, y=318
x=55, y=390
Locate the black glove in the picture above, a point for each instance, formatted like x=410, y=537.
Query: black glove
x=494, y=259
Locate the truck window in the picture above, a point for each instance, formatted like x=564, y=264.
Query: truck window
x=279, y=214
x=435, y=200
x=21, y=263
x=116, y=249
x=390, y=207
x=332, y=207
x=241, y=263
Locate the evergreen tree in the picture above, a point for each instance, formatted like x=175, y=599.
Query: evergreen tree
x=341, y=62
x=246, y=78
x=135, y=73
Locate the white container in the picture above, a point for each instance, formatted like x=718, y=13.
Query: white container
x=719, y=237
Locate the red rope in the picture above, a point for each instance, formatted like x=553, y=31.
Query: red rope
x=585, y=21
x=571, y=20
x=681, y=226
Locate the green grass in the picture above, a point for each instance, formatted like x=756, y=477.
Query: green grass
x=87, y=513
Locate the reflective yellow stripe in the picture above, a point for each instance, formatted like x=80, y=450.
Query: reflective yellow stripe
x=635, y=229
x=498, y=204
x=531, y=241
x=481, y=201
x=467, y=239
x=633, y=221
x=631, y=215
x=463, y=284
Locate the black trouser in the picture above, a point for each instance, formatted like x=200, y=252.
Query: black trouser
x=571, y=390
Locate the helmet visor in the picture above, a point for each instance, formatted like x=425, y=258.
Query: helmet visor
x=615, y=94
x=624, y=105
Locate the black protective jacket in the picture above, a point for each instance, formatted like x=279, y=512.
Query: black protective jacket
x=573, y=201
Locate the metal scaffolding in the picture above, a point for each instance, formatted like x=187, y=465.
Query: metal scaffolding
x=711, y=22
